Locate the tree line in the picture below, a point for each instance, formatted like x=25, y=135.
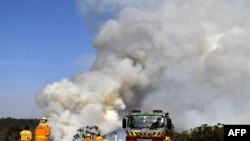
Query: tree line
x=10, y=128
x=204, y=132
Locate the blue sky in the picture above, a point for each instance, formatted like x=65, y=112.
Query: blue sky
x=41, y=41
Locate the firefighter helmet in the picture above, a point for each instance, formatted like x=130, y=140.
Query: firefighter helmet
x=43, y=119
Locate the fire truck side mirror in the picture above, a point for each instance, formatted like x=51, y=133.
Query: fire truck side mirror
x=124, y=123
x=169, y=123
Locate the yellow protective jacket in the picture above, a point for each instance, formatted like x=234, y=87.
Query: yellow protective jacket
x=26, y=135
x=42, y=132
x=167, y=138
x=99, y=138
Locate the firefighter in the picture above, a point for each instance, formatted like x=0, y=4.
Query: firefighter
x=42, y=130
x=99, y=137
x=167, y=138
x=158, y=123
x=88, y=137
x=26, y=134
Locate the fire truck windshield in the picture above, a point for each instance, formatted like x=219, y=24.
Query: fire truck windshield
x=146, y=121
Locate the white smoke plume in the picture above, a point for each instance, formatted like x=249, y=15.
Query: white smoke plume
x=190, y=58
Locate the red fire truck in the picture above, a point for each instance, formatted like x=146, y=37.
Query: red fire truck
x=153, y=126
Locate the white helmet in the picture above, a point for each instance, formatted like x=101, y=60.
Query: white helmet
x=43, y=119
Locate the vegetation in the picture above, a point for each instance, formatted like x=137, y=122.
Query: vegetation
x=202, y=133
x=84, y=131
x=10, y=131
x=10, y=128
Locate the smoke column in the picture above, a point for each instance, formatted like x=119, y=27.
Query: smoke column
x=191, y=58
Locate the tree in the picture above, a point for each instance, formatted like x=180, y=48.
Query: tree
x=83, y=131
x=13, y=133
x=202, y=133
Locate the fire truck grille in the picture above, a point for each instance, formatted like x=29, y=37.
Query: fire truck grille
x=146, y=134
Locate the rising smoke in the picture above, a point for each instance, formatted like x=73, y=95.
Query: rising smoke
x=190, y=58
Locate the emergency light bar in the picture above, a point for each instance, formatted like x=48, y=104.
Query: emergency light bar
x=136, y=111
x=157, y=111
